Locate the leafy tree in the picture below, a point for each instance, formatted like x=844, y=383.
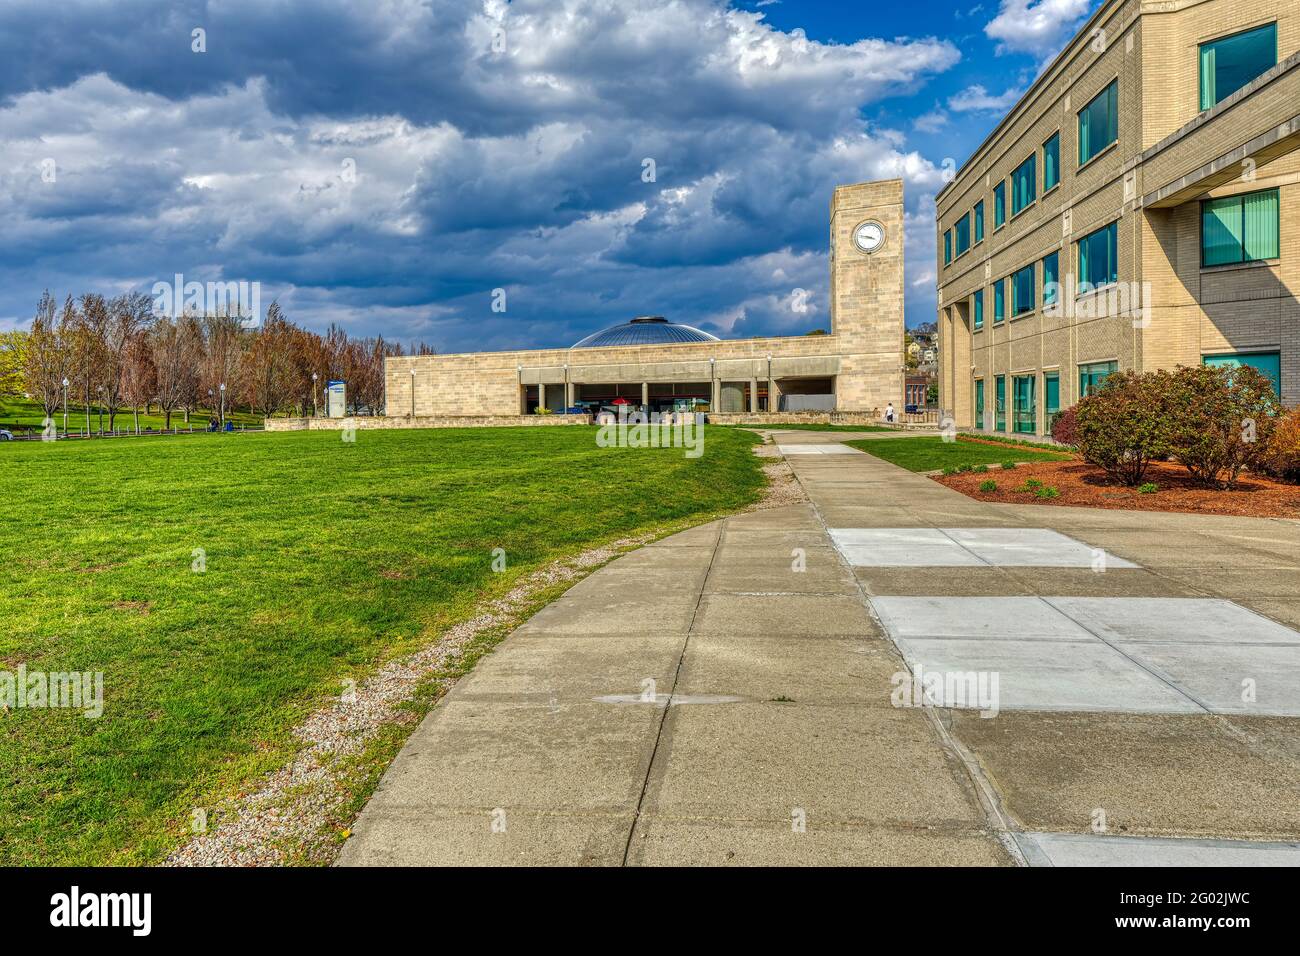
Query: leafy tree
x=1124, y=425
x=13, y=362
x=1221, y=419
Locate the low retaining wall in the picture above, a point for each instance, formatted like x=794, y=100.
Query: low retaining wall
x=430, y=421
x=795, y=418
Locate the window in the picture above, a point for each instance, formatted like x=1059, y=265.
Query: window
x=1052, y=162
x=1051, y=279
x=977, y=307
x=1269, y=363
x=1000, y=396
x=962, y=230
x=1026, y=408
x=1099, y=123
x=947, y=247
x=979, y=221
x=1239, y=228
x=1051, y=395
x=999, y=204
x=1091, y=376
x=1024, y=183
x=999, y=302
x=1230, y=63
x=979, y=403
x=1022, y=291
x=1099, y=258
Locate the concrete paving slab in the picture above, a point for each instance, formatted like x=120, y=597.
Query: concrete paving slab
x=776, y=557
x=1032, y=547
x=633, y=581
x=1229, y=678
x=820, y=615
x=1181, y=620
x=798, y=669
x=1085, y=582
x=837, y=763
x=545, y=668
x=682, y=557
x=981, y=581
x=1157, y=775
x=706, y=535
x=976, y=618
x=795, y=518
x=660, y=841
x=1285, y=611
x=901, y=547
x=1051, y=675
x=1077, y=849
x=482, y=754
x=1240, y=582
x=445, y=837
x=833, y=448
x=753, y=538
x=670, y=612
x=823, y=578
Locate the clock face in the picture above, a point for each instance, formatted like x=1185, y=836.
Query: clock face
x=869, y=236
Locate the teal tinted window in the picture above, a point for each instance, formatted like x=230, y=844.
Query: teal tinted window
x=1024, y=184
x=1052, y=162
x=1026, y=409
x=979, y=221
x=1099, y=258
x=1099, y=123
x=962, y=231
x=1051, y=394
x=977, y=308
x=1230, y=63
x=1022, y=291
x=1051, y=279
x=999, y=302
x=1240, y=228
x=1000, y=396
x=1269, y=363
x=1091, y=376
x=979, y=403
x=999, y=204
x=947, y=247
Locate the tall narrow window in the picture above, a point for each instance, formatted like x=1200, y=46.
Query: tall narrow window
x=1026, y=410
x=977, y=309
x=962, y=230
x=979, y=221
x=1000, y=397
x=1092, y=375
x=1099, y=258
x=1051, y=395
x=1052, y=162
x=999, y=302
x=1099, y=123
x=999, y=204
x=1240, y=228
x=979, y=403
x=947, y=247
x=1024, y=185
x=1230, y=63
x=1022, y=291
x=1052, y=279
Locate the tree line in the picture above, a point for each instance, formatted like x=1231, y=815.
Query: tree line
x=118, y=354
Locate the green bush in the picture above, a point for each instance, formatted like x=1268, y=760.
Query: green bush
x=949, y=470
x=1150, y=488
x=980, y=469
x=988, y=484
x=1008, y=466
x=1221, y=419
x=1125, y=425
x=1047, y=492
x=965, y=468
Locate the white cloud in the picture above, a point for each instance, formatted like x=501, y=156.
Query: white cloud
x=930, y=122
x=1037, y=27
x=977, y=99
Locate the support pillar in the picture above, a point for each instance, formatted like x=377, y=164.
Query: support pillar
x=753, y=396
x=773, y=396
x=645, y=395
x=541, y=395
x=715, y=399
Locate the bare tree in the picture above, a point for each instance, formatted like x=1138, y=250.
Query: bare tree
x=127, y=315
x=174, y=347
x=222, y=359
x=47, y=357
x=270, y=379
x=139, y=377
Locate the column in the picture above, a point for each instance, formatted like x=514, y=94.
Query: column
x=753, y=395
x=715, y=398
x=541, y=394
x=645, y=394
x=773, y=396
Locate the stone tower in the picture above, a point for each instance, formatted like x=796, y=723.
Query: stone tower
x=867, y=293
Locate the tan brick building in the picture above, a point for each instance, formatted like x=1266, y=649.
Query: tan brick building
x=1138, y=208
x=857, y=367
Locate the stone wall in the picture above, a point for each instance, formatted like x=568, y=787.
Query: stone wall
x=424, y=421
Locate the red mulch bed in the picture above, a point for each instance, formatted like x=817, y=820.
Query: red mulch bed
x=1086, y=486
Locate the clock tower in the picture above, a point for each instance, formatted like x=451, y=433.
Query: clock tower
x=867, y=293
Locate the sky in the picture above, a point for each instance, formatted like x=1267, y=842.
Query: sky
x=489, y=175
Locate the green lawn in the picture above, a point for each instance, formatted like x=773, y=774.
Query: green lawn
x=322, y=558
x=826, y=428
x=933, y=453
x=20, y=415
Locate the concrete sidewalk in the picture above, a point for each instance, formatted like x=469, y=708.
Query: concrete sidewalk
x=724, y=696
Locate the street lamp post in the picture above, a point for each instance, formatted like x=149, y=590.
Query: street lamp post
x=313, y=395
x=412, y=393
x=65, y=407
x=101, y=411
x=222, y=388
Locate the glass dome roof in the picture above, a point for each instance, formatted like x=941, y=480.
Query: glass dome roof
x=645, y=330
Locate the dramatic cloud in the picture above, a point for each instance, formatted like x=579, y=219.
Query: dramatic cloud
x=1037, y=27
x=977, y=99
x=387, y=165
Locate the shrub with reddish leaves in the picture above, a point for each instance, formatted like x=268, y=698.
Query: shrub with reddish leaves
x=1065, y=427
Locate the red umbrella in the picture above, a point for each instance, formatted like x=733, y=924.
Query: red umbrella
x=620, y=401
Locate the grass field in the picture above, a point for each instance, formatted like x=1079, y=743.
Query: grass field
x=932, y=454
x=20, y=415
x=322, y=558
x=827, y=428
